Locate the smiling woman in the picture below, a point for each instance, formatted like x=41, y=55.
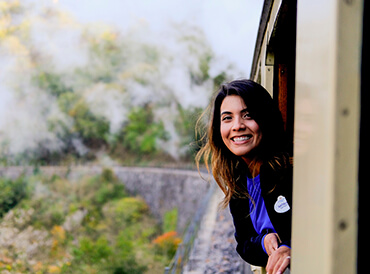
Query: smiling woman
x=250, y=163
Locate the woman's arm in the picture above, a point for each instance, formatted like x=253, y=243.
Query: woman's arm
x=250, y=249
x=249, y=242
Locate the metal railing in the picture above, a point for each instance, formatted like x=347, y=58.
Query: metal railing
x=182, y=254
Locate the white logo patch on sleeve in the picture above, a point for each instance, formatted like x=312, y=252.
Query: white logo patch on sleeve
x=281, y=205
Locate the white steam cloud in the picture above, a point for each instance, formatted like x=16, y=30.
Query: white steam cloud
x=160, y=67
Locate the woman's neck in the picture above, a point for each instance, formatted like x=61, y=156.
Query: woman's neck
x=254, y=166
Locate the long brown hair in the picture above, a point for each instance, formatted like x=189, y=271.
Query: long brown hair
x=227, y=168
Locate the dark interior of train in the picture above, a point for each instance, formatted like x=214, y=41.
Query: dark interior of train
x=283, y=47
x=363, y=240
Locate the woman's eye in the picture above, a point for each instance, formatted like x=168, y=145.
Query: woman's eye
x=226, y=118
x=246, y=115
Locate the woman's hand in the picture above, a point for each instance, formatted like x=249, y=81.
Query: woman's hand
x=278, y=260
x=271, y=243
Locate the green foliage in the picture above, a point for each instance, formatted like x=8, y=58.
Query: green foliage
x=117, y=234
x=219, y=79
x=63, y=197
x=47, y=214
x=108, y=187
x=124, y=260
x=204, y=66
x=186, y=127
x=142, y=132
x=66, y=101
x=127, y=210
x=106, y=55
x=105, y=257
x=170, y=220
x=92, y=252
x=202, y=75
x=51, y=82
x=122, y=221
x=91, y=128
x=12, y=192
x=107, y=175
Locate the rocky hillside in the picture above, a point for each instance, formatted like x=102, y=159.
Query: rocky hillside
x=88, y=224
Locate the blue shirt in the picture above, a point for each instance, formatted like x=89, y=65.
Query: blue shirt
x=258, y=213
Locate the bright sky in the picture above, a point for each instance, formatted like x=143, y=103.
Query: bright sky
x=230, y=25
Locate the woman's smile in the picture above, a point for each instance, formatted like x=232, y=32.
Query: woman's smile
x=240, y=140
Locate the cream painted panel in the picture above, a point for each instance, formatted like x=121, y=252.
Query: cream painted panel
x=314, y=137
x=326, y=133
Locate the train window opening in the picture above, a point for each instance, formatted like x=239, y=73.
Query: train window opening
x=274, y=58
x=283, y=46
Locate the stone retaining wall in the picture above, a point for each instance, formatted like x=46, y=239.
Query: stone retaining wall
x=162, y=189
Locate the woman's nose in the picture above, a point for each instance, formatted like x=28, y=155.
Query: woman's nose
x=238, y=125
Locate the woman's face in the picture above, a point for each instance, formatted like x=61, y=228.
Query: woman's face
x=240, y=133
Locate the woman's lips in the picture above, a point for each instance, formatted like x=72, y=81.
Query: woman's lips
x=241, y=139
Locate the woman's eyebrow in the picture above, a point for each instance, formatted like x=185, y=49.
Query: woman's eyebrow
x=229, y=112
x=226, y=112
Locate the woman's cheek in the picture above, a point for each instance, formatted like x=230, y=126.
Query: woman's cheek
x=224, y=133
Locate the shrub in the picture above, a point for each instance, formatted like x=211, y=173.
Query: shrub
x=124, y=260
x=109, y=187
x=59, y=234
x=104, y=257
x=142, y=132
x=185, y=124
x=107, y=175
x=11, y=193
x=91, y=128
x=167, y=243
x=104, y=193
x=51, y=82
x=59, y=240
x=93, y=192
x=47, y=214
x=92, y=252
x=170, y=220
x=126, y=211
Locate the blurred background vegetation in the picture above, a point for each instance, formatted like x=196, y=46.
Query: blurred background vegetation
x=80, y=93
x=85, y=225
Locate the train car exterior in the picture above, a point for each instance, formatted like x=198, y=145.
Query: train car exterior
x=309, y=55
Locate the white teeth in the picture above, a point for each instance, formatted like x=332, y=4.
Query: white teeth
x=244, y=138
